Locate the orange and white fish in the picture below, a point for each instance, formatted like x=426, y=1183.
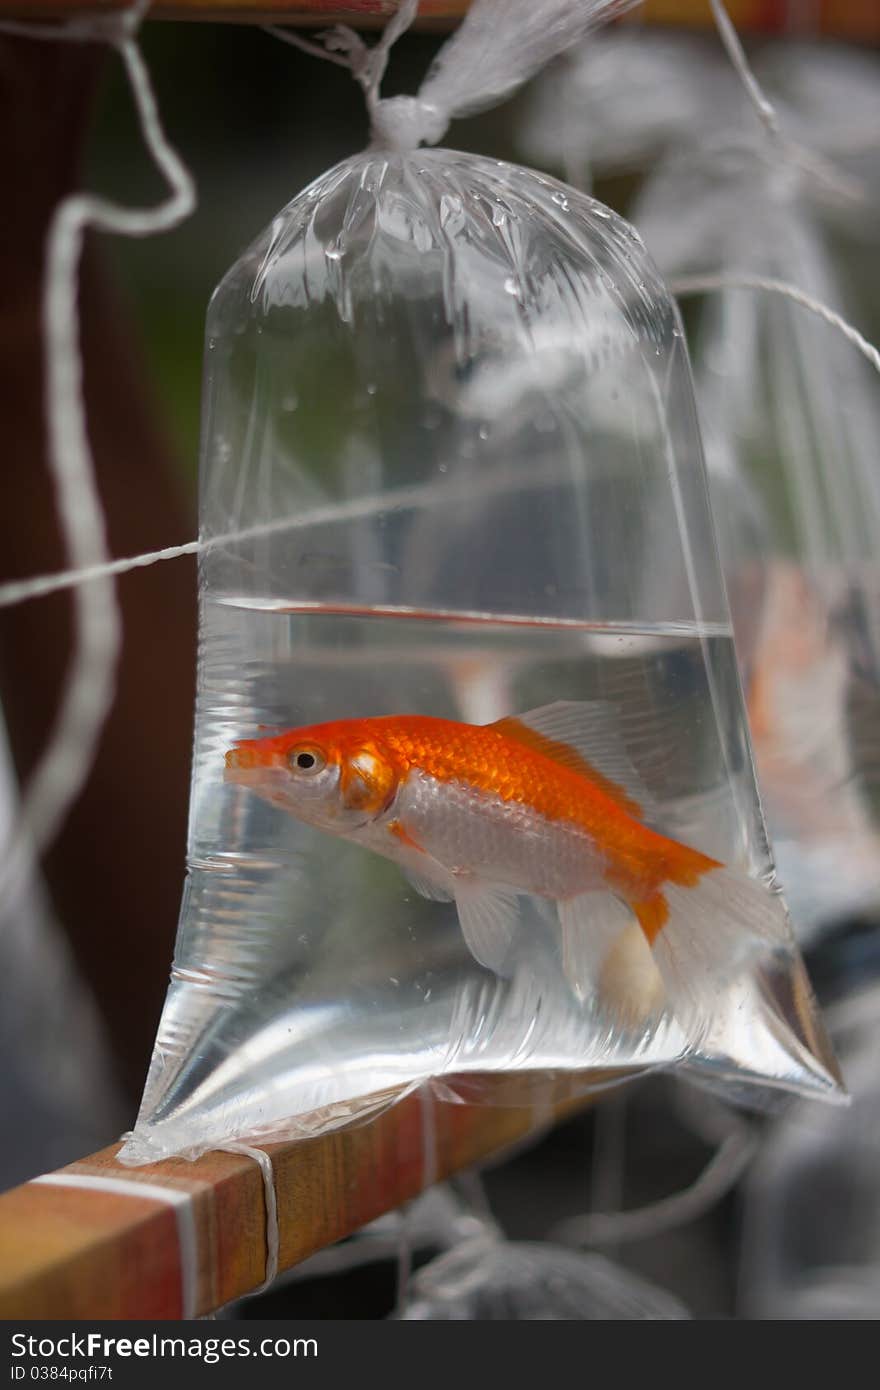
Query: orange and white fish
x=545, y=803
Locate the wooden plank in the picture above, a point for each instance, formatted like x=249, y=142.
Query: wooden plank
x=80, y=1252
x=850, y=19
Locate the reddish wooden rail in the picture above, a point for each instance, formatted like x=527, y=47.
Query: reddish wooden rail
x=78, y=1252
x=852, y=19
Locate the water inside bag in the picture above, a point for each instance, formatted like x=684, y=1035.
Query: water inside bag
x=450, y=468
x=346, y=983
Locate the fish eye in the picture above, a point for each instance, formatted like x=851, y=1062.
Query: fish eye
x=306, y=760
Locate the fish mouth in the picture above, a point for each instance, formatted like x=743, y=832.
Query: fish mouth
x=244, y=766
x=241, y=758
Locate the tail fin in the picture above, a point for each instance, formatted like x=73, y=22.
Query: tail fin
x=734, y=977
x=705, y=935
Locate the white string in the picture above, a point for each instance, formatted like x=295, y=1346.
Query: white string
x=734, y=1141
x=273, y=1236
x=21, y=590
x=317, y=50
x=90, y=680
x=764, y=108
x=341, y=45
x=791, y=151
x=743, y=280
x=720, y=1174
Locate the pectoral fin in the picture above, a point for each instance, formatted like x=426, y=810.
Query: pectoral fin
x=425, y=886
x=488, y=916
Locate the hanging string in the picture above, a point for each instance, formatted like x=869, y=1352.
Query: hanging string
x=764, y=108
x=341, y=45
x=791, y=150
x=21, y=590
x=90, y=681
x=721, y=1173
x=743, y=280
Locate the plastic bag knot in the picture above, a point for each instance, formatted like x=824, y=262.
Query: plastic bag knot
x=403, y=123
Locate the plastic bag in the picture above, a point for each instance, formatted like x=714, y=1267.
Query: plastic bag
x=57, y=1075
x=791, y=415
x=811, y=1246
x=630, y=95
x=622, y=99
x=451, y=472
x=526, y=1281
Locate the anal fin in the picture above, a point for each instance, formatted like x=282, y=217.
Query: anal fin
x=591, y=924
x=605, y=956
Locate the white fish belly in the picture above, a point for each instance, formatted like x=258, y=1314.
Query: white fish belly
x=503, y=842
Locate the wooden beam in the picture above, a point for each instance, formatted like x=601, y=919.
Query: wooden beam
x=848, y=19
x=74, y=1248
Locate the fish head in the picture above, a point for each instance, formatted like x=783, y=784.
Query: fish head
x=337, y=776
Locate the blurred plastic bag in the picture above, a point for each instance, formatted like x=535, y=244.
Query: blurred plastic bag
x=451, y=477
x=812, y=1214
x=519, y=1281
x=622, y=99
x=791, y=415
x=632, y=95
x=57, y=1077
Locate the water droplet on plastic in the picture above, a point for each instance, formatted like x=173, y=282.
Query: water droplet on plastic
x=372, y=388
x=290, y=401
x=561, y=201
x=483, y=431
x=511, y=285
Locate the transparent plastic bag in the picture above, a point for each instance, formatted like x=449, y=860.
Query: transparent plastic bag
x=451, y=472
x=790, y=415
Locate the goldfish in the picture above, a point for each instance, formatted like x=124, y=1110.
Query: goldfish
x=545, y=804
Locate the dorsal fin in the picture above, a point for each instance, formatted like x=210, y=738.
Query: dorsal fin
x=583, y=736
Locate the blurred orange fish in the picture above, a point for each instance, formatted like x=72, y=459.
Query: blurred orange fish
x=545, y=803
